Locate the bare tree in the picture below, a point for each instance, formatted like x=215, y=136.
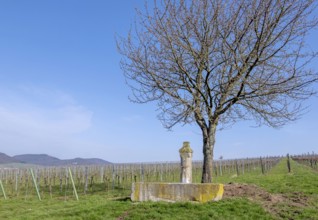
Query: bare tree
x=214, y=62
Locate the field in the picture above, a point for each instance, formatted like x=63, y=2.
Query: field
x=249, y=194
x=50, y=182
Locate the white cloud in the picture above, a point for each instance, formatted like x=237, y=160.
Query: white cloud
x=63, y=120
x=37, y=120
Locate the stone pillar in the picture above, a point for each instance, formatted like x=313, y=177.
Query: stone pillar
x=186, y=163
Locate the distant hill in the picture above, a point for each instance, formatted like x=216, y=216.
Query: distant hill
x=47, y=160
x=88, y=161
x=7, y=159
x=38, y=159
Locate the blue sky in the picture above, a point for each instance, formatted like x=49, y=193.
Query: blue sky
x=62, y=92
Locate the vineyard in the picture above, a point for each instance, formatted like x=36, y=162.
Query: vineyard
x=76, y=181
x=307, y=159
x=258, y=188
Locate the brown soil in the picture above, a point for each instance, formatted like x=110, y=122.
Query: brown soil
x=267, y=200
x=123, y=216
x=252, y=192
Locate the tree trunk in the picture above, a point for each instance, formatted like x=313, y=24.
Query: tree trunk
x=208, y=147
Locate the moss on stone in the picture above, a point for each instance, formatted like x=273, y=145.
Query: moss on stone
x=186, y=148
x=172, y=192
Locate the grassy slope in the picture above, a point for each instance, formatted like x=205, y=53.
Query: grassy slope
x=299, y=185
x=302, y=179
x=302, y=182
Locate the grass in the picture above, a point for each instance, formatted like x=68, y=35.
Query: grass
x=97, y=207
x=299, y=185
x=301, y=179
x=92, y=207
x=301, y=182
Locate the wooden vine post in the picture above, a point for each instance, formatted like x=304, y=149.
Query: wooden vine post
x=2, y=188
x=73, y=184
x=288, y=164
x=35, y=184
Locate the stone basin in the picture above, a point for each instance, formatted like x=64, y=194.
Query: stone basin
x=176, y=192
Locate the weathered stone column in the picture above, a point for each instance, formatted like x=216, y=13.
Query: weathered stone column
x=186, y=163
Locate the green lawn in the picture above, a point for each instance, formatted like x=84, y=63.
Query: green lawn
x=298, y=188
